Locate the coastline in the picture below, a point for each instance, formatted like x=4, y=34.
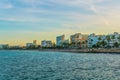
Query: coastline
x=100, y=50
x=86, y=50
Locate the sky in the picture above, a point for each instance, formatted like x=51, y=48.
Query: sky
x=23, y=21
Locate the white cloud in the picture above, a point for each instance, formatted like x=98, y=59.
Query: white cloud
x=23, y=19
x=6, y=6
x=107, y=15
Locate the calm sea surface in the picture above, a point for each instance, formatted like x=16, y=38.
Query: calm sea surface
x=36, y=65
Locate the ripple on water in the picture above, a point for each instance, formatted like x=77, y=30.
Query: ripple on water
x=35, y=65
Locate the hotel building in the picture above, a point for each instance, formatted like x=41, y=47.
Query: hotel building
x=46, y=43
x=59, y=40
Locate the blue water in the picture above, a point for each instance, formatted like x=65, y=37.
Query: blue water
x=36, y=65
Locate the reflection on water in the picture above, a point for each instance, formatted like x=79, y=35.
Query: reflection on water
x=35, y=65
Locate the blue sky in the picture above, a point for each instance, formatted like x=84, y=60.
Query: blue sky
x=22, y=21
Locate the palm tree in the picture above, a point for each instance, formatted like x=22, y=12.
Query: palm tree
x=99, y=38
x=113, y=37
x=108, y=39
x=99, y=41
x=119, y=38
x=116, y=44
x=65, y=45
x=83, y=43
x=53, y=45
x=86, y=42
x=79, y=44
x=98, y=44
x=103, y=43
x=73, y=43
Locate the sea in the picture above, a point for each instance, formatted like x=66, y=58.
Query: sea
x=45, y=65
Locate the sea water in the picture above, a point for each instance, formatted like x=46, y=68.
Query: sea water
x=38, y=65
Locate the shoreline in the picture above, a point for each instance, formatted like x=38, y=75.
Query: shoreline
x=92, y=50
x=85, y=50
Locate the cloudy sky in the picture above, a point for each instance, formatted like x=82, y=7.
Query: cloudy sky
x=22, y=21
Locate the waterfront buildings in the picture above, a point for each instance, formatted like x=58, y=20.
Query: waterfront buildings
x=59, y=40
x=65, y=43
x=29, y=44
x=113, y=39
x=35, y=42
x=46, y=43
x=32, y=45
x=92, y=40
x=15, y=47
x=110, y=40
x=4, y=46
x=78, y=40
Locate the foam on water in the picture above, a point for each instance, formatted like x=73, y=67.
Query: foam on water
x=36, y=65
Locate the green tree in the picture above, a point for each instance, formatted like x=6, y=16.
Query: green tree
x=108, y=39
x=98, y=44
x=99, y=38
x=83, y=43
x=65, y=45
x=73, y=44
x=119, y=38
x=86, y=42
x=113, y=37
x=94, y=46
x=53, y=45
x=116, y=44
x=79, y=44
x=103, y=43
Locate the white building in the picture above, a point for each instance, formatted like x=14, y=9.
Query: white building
x=76, y=38
x=35, y=42
x=111, y=40
x=92, y=40
x=114, y=38
x=30, y=45
x=64, y=43
x=46, y=43
x=59, y=40
x=79, y=40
